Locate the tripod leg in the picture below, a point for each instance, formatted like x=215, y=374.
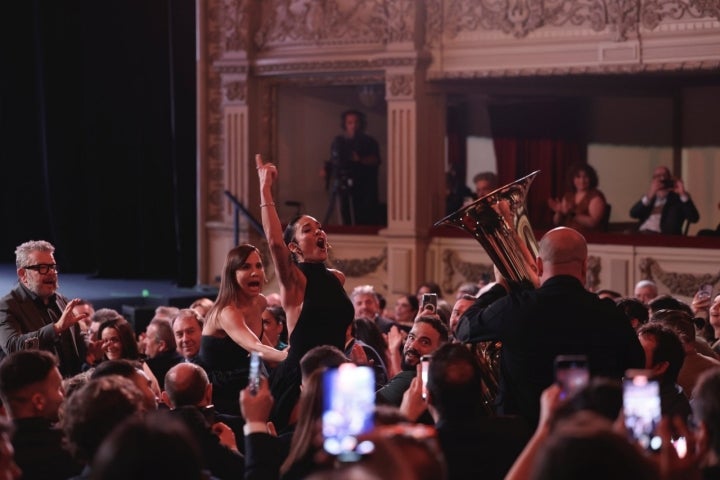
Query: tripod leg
x=330, y=206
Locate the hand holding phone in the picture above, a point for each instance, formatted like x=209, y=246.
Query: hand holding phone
x=254, y=375
x=641, y=408
x=425, y=365
x=571, y=374
x=429, y=302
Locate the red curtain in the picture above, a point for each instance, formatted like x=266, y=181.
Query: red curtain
x=517, y=157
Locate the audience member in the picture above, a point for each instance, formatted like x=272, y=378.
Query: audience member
x=369, y=333
x=118, y=339
x=202, y=306
x=274, y=331
x=367, y=305
x=83, y=306
x=233, y=328
x=582, y=207
x=427, y=334
x=93, y=341
x=148, y=448
x=645, y=291
x=188, y=393
x=317, y=306
x=714, y=321
x=561, y=317
x=34, y=315
x=664, y=356
x=666, y=206
x=474, y=445
x=611, y=294
x=485, y=183
x=428, y=287
x=132, y=371
x=31, y=392
x=187, y=328
x=635, y=310
x=695, y=363
x=461, y=305
x=9, y=470
x=94, y=411
x=467, y=288
x=361, y=353
x=161, y=349
x=406, y=309
x=706, y=415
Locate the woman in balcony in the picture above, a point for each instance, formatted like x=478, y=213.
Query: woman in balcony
x=583, y=207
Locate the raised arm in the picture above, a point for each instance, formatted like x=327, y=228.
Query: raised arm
x=232, y=321
x=292, y=282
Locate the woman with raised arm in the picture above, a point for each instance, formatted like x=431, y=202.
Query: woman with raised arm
x=318, y=308
x=233, y=328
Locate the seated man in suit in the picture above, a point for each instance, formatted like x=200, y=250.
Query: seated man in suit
x=666, y=206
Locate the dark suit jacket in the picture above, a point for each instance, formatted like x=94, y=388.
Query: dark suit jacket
x=40, y=452
x=162, y=362
x=674, y=213
x=535, y=326
x=24, y=321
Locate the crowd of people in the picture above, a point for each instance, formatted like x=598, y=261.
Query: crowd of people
x=464, y=386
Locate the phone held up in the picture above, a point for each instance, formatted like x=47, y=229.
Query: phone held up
x=429, y=302
x=571, y=374
x=641, y=408
x=425, y=366
x=348, y=408
x=254, y=375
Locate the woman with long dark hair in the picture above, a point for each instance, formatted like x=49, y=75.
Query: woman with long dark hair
x=582, y=207
x=317, y=307
x=233, y=328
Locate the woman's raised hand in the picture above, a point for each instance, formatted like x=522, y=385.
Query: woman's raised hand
x=267, y=172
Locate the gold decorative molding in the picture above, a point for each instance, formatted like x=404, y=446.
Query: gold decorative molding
x=400, y=85
x=469, y=271
x=401, y=20
x=685, y=284
x=235, y=15
x=358, y=267
x=236, y=91
x=335, y=65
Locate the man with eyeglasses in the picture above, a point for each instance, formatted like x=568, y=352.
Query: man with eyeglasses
x=34, y=315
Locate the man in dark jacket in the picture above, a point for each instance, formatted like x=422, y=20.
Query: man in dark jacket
x=560, y=317
x=666, y=207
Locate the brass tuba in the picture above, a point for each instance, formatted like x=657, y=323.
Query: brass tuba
x=499, y=222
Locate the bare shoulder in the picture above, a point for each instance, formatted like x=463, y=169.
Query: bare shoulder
x=340, y=275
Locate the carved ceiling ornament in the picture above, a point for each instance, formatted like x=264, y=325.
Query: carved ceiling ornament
x=235, y=16
x=685, y=284
x=521, y=17
x=400, y=20
x=322, y=22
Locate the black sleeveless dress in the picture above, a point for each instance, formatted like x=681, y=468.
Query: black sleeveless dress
x=326, y=313
x=227, y=365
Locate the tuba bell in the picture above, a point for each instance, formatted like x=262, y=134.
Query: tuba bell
x=499, y=222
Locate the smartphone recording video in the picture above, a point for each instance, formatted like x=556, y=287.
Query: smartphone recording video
x=571, y=374
x=641, y=408
x=429, y=302
x=425, y=365
x=348, y=407
x=254, y=375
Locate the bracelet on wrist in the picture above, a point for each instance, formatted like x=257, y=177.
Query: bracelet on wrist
x=268, y=204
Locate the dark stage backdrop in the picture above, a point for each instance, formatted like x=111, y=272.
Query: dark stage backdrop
x=97, y=134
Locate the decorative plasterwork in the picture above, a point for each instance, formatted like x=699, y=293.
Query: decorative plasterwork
x=469, y=271
x=235, y=15
x=592, y=277
x=400, y=86
x=400, y=20
x=335, y=65
x=236, y=91
x=521, y=17
x=322, y=22
x=359, y=267
x=685, y=284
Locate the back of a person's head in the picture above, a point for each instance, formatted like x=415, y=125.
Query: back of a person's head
x=123, y=367
x=322, y=356
x=164, y=333
x=603, y=396
x=23, y=368
x=310, y=406
x=74, y=383
x=455, y=382
x=103, y=314
x=678, y=320
x=668, y=348
x=94, y=410
x=706, y=406
x=186, y=384
x=633, y=309
x=668, y=302
x=148, y=448
x=589, y=450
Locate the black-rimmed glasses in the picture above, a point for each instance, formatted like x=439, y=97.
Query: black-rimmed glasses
x=43, y=268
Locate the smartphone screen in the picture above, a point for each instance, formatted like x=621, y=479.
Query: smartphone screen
x=254, y=375
x=571, y=374
x=348, y=407
x=641, y=408
x=429, y=301
x=425, y=364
